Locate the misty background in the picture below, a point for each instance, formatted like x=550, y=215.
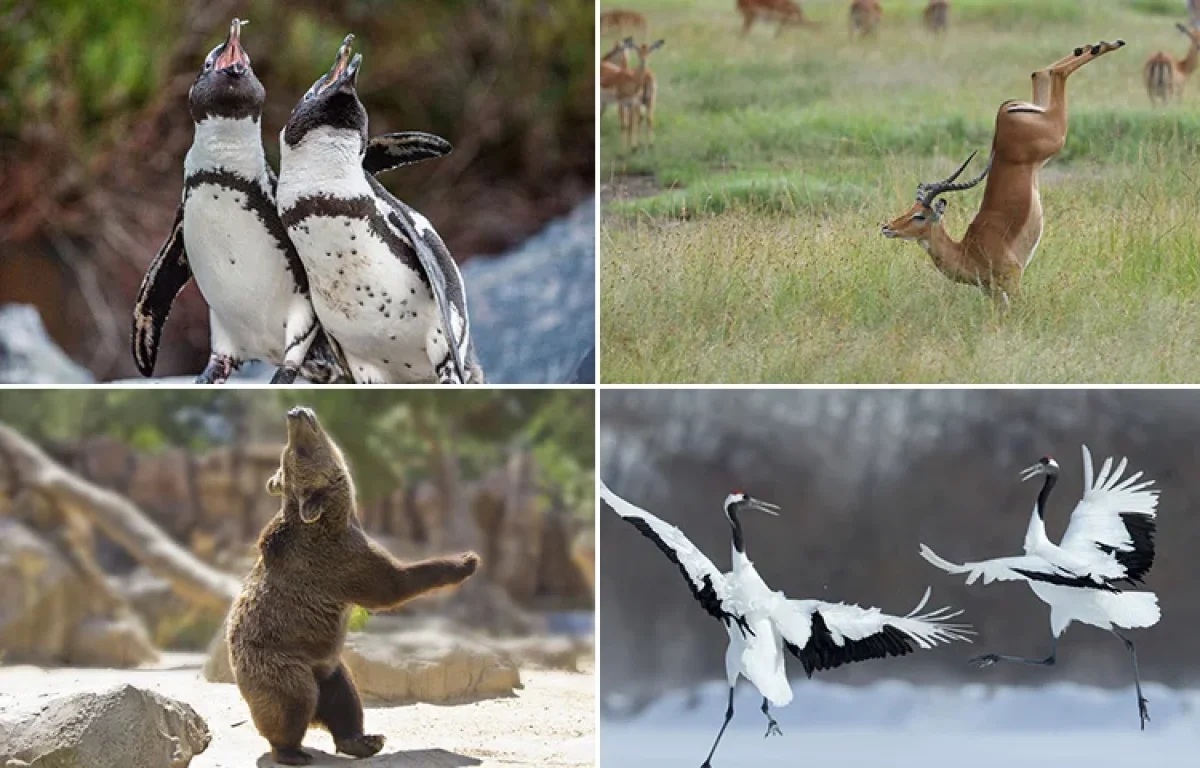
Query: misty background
x=863, y=477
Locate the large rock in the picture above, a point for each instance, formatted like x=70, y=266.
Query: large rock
x=27, y=353
x=409, y=666
x=50, y=615
x=427, y=667
x=122, y=727
x=533, y=309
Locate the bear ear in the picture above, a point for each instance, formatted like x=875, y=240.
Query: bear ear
x=275, y=483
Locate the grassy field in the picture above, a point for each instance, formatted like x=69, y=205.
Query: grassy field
x=744, y=246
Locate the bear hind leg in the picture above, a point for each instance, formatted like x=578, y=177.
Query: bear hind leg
x=339, y=709
x=282, y=707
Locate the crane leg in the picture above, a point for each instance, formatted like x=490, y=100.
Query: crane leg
x=988, y=659
x=728, y=717
x=1143, y=705
x=772, y=726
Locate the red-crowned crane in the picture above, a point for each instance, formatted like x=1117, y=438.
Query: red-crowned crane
x=762, y=622
x=1109, y=541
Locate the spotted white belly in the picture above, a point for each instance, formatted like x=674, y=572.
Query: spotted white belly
x=242, y=274
x=380, y=311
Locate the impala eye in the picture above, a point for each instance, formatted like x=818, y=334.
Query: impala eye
x=918, y=217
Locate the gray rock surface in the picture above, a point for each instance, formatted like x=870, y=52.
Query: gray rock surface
x=427, y=667
x=119, y=727
x=50, y=615
x=27, y=353
x=533, y=309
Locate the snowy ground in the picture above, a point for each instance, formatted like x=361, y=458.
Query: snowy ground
x=899, y=725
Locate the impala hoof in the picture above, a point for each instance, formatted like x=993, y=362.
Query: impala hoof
x=1120, y=43
x=1095, y=49
x=1078, y=51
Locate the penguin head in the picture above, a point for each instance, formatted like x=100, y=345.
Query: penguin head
x=227, y=86
x=332, y=102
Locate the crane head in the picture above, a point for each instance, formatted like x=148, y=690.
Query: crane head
x=738, y=501
x=1045, y=466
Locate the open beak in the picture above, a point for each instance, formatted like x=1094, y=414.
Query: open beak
x=233, y=59
x=1031, y=472
x=345, y=69
x=762, y=506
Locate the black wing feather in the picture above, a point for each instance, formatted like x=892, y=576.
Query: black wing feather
x=1138, y=561
x=394, y=150
x=822, y=652
x=166, y=277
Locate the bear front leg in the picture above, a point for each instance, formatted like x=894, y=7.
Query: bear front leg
x=376, y=580
x=340, y=710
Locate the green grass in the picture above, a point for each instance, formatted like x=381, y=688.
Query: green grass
x=756, y=256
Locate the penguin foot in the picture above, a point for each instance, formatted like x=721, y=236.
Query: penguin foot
x=218, y=370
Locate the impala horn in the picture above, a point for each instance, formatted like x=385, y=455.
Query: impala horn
x=926, y=193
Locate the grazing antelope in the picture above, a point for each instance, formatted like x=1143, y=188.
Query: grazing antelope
x=1165, y=74
x=1002, y=239
x=626, y=87
x=622, y=20
x=865, y=16
x=937, y=16
x=787, y=12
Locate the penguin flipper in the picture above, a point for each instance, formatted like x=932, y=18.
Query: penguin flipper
x=394, y=150
x=433, y=270
x=169, y=272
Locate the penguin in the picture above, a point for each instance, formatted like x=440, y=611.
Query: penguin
x=228, y=236
x=383, y=283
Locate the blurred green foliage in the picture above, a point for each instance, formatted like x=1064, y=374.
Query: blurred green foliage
x=387, y=435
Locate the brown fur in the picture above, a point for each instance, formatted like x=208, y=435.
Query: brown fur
x=1164, y=75
x=865, y=17
x=287, y=627
x=937, y=16
x=788, y=13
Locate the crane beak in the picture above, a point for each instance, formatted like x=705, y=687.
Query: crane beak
x=762, y=506
x=1031, y=472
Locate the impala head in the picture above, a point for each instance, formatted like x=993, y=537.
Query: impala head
x=226, y=86
x=332, y=102
x=917, y=222
x=1045, y=466
x=619, y=54
x=644, y=50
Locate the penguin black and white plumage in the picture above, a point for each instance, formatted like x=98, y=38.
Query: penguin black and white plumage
x=383, y=283
x=227, y=235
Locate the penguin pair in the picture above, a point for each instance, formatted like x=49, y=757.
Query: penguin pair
x=228, y=235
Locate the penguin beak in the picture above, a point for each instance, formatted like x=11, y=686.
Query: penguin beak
x=762, y=506
x=233, y=59
x=345, y=69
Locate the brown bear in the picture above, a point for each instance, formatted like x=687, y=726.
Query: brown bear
x=287, y=627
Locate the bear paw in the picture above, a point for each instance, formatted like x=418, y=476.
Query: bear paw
x=364, y=745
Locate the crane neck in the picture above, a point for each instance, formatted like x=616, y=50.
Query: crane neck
x=739, y=543
x=1044, y=494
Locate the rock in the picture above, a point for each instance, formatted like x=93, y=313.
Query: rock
x=173, y=622
x=533, y=309
x=49, y=614
x=547, y=652
x=122, y=727
x=163, y=486
x=427, y=667
x=217, y=667
x=27, y=353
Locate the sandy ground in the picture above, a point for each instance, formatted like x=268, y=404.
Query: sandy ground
x=551, y=722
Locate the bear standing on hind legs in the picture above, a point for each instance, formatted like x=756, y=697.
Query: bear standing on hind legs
x=287, y=627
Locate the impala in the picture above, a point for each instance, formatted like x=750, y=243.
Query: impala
x=865, y=16
x=621, y=20
x=1002, y=239
x=787, y=12
x=1165, y=74
x=626, y=87
x=937, y=16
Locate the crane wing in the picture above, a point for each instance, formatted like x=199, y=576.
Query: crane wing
x=827, y=635
x=708, y=585
x=1019, y=568
x=1114, y=521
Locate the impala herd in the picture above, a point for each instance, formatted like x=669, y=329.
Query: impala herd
x=1003, y=237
